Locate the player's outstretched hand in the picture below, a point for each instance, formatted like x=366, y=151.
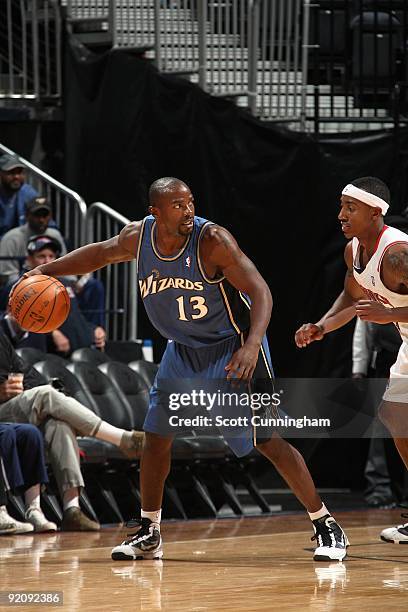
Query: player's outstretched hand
x=307, y=333
x=375, y=312
x=243, y=363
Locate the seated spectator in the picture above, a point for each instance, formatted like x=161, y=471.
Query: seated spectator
x=76, y=332
x=9, y=525
x=90, y=291
x=14, y=242
x=60, y=418
x=22, y=454
x=14, y=193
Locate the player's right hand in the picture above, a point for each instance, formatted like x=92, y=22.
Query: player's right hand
x=32, y=272
x=25, y=275
x=307, y=333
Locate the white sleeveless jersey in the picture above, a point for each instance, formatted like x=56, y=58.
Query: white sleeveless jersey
x=370, y=278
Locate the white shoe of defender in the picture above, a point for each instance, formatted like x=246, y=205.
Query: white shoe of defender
x=396, y=535
x=146, y=543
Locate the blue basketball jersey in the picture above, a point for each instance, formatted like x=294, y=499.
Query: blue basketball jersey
x=181, y=302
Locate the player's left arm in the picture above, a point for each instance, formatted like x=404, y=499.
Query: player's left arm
x=222, y=256
x=394, y=271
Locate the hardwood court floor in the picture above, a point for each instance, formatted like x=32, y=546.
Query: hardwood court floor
x=231, y=565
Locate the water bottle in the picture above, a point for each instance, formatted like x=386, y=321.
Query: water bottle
x=147, y=350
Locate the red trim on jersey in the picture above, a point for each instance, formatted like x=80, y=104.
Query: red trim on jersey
x=375, y=248
x=386, y=249
x=379, y=237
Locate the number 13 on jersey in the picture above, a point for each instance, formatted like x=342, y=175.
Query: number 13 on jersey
x=197, y=304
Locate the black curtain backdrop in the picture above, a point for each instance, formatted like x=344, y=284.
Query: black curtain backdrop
x=275, y=190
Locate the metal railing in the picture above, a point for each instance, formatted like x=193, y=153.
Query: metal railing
x=278, y=60
x=177, y=35
x=250, y=50
x=225, y=30
x=134, y=24
x=69, y=209
x=120, y=280
x=130, y=22
x=306, y=62
x=93, y=9
x=30, y=49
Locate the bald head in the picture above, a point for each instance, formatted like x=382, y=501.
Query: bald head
x=172, y=205
x=163, y=188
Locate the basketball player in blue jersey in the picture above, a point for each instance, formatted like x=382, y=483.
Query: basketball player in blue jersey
x=376, y=290
x=208, y=299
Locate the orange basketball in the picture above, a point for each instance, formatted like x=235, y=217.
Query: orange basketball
x=39, y=303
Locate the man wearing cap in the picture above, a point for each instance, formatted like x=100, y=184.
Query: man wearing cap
x=14, y=242
x=89, y=291
x=14, y=193
x=76, y=332
x=376, y=290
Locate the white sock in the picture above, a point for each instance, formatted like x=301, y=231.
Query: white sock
x=32, y=496
x=109, y=433
x=70, y=499
x=154, y=516
x=316, y=515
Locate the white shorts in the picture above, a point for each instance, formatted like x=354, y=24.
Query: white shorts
x=397, y=388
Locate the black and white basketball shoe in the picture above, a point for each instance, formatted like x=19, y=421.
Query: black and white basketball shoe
x=331, y=540
x=146, y=543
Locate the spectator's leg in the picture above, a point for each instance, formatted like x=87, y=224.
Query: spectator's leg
x=36, y=405
x=63, y=451
x=30, y=447
x=92, y=302
x=3, y=488
x=8, y=451
x=31, y=453
x=378, y=491
x=9, y=525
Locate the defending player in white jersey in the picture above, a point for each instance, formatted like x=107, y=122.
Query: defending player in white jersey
x=375, y=289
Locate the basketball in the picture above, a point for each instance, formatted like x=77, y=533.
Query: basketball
x=39, y=303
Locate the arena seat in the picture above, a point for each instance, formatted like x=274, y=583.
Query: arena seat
x=89, y=355
x=377, y=39
x=106, y=400
x=124, y=351
x=31, y=355
x=133, y=388
x=53, y=369
x=146, y=369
